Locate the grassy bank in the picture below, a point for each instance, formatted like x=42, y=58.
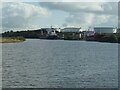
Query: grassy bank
x=11, y=39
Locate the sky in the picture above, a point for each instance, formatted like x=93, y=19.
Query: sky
x=28, y=15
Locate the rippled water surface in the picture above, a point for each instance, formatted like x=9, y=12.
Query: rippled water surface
x=56, y=63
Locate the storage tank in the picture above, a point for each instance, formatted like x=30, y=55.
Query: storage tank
x=102, y=30
x=71, y=29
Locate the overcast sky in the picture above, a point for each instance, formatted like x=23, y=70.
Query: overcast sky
x=33, y=15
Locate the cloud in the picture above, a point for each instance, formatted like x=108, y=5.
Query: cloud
x=61, y=0
x=0, y=16
x=16, y=15
x=86, y=7
x=19, y=15
x=86, y=13
x=86, y=20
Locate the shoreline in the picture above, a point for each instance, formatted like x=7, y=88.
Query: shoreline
x=17, y=40
x=11, y=40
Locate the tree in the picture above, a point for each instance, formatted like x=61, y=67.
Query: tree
x=113, y=38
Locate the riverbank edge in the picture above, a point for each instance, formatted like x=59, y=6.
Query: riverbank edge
x=11, y=39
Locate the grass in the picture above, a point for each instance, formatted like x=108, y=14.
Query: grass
x=11, y=39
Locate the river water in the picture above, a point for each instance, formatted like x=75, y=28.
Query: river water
x=39, y=63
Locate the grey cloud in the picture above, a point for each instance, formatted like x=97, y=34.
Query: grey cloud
x=86, y=13
x=84, y=19
x=20, y=15
x=86, y=7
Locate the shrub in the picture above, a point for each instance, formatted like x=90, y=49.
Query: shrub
x=113, y=38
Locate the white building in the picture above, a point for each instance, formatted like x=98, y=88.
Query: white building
x=71, y=29
x=105, y=30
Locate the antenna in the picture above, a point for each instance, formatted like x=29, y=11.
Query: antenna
x=51, y=25
x=89, y=28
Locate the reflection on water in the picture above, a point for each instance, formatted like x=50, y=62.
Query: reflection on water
x=57, y=63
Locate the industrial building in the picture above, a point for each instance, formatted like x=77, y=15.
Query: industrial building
x=71, y=29
x=105, y=30
x=73, y=33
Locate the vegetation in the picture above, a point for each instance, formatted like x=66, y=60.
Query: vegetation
x=118, y=39
x=12, y=39
x=42, y=34
x=112, y=38
x=25, y=34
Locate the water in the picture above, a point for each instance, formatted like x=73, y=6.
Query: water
x=60, y=64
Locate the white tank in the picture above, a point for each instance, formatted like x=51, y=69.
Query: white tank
x=71, y=29
x=104, y=30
